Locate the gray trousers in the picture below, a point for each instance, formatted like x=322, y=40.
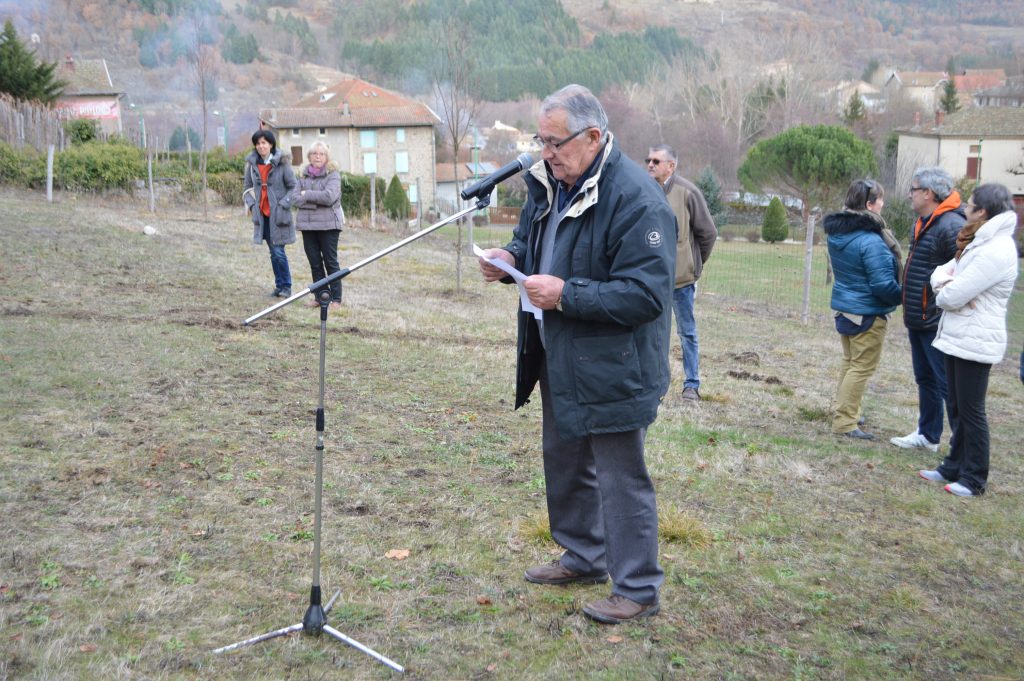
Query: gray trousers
x=601, y=506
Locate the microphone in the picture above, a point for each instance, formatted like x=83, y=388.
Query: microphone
x=486, y=185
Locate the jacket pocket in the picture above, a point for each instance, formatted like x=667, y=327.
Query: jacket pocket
x=284, y=217
x=606, y=368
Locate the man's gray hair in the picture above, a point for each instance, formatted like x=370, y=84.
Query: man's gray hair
x=935, y=179
x=669, y=151
x=580, y=105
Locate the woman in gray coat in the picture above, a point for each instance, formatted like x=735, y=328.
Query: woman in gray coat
x=269, y=182
x=318, y=200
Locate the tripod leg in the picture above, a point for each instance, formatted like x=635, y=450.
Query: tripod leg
x=262, y=637
x=359, y=646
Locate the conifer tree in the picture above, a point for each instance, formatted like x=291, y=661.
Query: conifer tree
x=396, y=202
x=775, y=227
x=855, y=110
x=22, y=75
x=711, y=188
x=950, y=102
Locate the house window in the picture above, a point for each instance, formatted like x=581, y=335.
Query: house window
x=975, y=148
x=296, y=156
x=322, y=131
x=411, y=192
x=369, y=163
x=401, y=161
x=295, y=132
x=400, y=135
x=972, y=168
x=368, y=139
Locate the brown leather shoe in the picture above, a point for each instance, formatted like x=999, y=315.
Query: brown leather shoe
x=556, y=573
x=618, y=609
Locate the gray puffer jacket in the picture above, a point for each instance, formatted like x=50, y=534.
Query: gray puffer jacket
x=318, y=200
x=280, y=184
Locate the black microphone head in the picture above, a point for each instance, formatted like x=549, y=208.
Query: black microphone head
x=525, y=160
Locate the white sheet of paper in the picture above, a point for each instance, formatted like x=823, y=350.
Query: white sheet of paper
x=518, y=277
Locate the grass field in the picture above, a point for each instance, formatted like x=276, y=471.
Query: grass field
x=156, y=481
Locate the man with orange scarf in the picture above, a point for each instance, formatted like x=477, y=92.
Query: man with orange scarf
x=932, y=243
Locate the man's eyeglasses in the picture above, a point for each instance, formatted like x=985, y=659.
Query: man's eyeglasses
x=918, y=189
x=555, y=145
x=655, y=161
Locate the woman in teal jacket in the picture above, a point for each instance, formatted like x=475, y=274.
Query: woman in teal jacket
x=865, y=291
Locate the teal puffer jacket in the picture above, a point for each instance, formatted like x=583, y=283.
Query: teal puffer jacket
x=865, y=269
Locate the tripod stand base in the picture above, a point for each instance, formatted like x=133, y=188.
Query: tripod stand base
x=322, y=626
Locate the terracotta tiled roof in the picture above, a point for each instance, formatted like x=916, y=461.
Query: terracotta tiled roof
x=990, y=121
x=351, y=103
x=86, y=77
x=973, y=80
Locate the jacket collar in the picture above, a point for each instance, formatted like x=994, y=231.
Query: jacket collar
x=588, y=190
x=951, y=202
x=1004, y=223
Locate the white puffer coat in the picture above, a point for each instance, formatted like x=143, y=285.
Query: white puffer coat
x=974, y=292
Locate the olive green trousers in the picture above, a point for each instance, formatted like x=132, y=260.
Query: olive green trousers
x=861, y=354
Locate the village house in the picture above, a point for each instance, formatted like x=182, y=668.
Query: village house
x=839, y=94
x=90, y=93
x=982, y=144
x=1010, y=94
x=924, y=88
x=369, y=131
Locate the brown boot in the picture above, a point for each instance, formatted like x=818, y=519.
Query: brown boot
x=618, y=609
x=556, y=573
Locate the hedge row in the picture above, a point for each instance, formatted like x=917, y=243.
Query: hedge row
x=98, y=166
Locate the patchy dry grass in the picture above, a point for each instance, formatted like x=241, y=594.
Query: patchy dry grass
x=156, y=474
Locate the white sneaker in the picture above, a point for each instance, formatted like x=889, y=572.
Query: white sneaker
x=958, y=489
x=934, y=476
x=913, y=440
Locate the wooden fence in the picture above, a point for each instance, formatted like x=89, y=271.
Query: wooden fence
x=29, y=123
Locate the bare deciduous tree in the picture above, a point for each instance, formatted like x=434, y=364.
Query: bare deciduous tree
x=203, y=60
x=455, y=82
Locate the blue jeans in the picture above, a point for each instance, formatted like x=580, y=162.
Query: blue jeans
x=930, y=374
x=686, y=325
x=278, y=259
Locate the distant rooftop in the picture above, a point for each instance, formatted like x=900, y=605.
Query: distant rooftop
x=992, y=121
x=351, y=103
x=87, y=77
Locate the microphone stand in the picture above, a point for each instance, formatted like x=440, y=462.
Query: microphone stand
x=314, y=621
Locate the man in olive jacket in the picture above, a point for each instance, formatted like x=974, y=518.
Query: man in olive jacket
x=696, y=238
x=597, y=239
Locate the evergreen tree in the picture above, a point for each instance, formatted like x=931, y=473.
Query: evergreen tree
x=775, y=226
x=870, y=70
x=22, y=75
x=814, y=163
x=855, y=110
x=238, y=48
x=711, y=188
x=950, y=102
x=396, y=201
x=177, y=142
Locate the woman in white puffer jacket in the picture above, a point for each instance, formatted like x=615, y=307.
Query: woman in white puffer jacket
x=973, y=290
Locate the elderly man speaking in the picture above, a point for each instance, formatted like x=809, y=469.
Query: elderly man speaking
x=597, y=241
